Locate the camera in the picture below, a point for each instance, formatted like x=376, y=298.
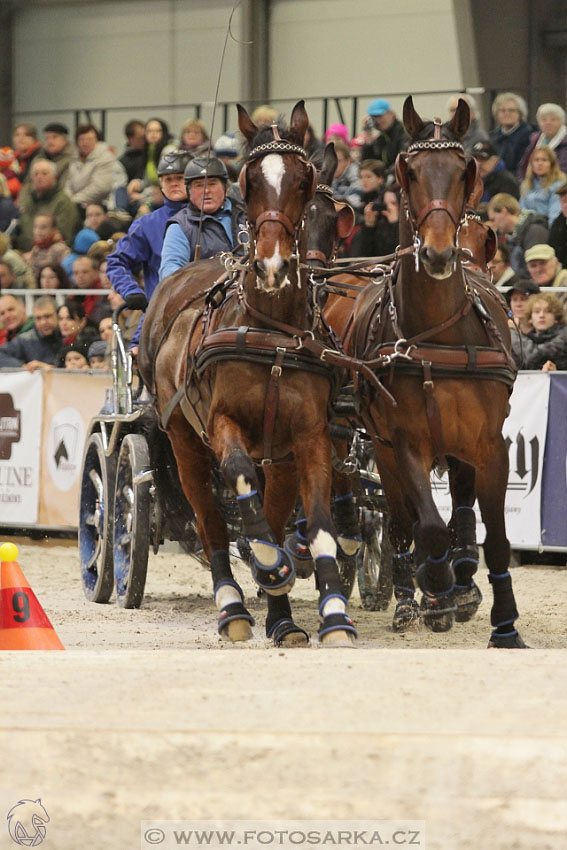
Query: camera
x=379, y=206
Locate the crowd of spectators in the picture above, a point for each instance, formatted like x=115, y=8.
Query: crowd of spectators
x=75, y=215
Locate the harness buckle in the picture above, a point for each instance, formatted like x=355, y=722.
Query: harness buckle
x=324, y=353
x=266, y=461
x=300, y=340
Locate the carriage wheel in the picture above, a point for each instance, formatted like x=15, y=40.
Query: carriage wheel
x=375, y=583
x=96, y=521
x=131, y=521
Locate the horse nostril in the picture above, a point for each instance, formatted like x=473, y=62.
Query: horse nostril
x=260, y=268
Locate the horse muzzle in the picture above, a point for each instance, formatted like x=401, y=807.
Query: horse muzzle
x=438, y=264
x=271, y=273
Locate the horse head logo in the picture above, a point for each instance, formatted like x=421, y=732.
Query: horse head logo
x=26, y=823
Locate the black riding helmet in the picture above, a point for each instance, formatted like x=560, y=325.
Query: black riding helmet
x=201, y=166
x=174, y=162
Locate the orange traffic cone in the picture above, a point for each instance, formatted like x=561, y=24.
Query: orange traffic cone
x=23, y=622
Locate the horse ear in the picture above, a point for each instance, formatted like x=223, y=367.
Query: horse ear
x=299, y=121
x=471, y=176
x=460, y=121
x=243, y=183
x=314, y=180
x=412, y=121
x=491, y=243
x=401, y=169
x=245, y=124
x=330, y=162
x=345, y=220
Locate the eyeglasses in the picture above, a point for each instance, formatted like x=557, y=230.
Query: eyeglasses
x=508, y=109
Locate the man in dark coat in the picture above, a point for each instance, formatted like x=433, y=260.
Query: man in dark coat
x=493, y=171
x=38, y=347
x=558, y=232
x=391, y=137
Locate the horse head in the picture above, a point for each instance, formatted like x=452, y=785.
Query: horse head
x=326, y=220
x=276, y=182
x=436, y=179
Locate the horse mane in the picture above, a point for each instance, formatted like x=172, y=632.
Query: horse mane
x=265, y=134
x=428, y=129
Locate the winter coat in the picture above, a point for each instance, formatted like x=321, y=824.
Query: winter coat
x=61, y=161
x=542, y=200
x=533, y=350
x=510, y=147
x=54, y=201
x=531, y=229
x=560, y=153
x=30, y=346
x=387, y=145
x=558, y=238
x=90, y=181
x=348, y=186
x=8, y=211
x=500, y=180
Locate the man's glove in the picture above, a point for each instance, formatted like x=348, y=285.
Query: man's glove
x=136, y=301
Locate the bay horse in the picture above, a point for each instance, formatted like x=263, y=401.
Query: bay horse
x=439, y=338
x=241, y=370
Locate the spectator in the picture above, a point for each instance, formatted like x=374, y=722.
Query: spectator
x=10, y=169
x=494, y=175
x=24, y=274
x=265, y=115
x=475, y=133
x=158, y=138
x=13, y=318
x=206, y=181
x=74, y=328
x=520, y=229
x=27, y=148
x=8, y=279
x=558, y=231
x=97, y=355
x=226, y=149
x=517, y=297
x=48, y=245
x=543, y=177
x=511, y=136
x=194, y=137
x=372, y=174
x=58, y=149
x=8, y=209
x=81, y=244
x=86, y=276
x=96, y=216
x=545, y=345
x=552, y=133
x=75, y=358
x=43, y=196
x=38, y=347
x=337, y=133
x=503, y=274
x=379, y=235
x=544, y=268
x=391, y=137
x=346, y=183
x=311, y=143
x=91, y=172
x=53, y=276
x=105, y=329
x=134, y=154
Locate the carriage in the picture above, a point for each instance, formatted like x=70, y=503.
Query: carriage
x=131, y=500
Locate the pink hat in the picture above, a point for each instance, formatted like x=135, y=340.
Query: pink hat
x=337, y=130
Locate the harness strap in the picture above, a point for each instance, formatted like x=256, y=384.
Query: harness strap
x=433, y=415
x=271, y=404
x=279, y=217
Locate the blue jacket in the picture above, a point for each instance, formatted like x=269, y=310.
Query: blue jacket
x=142, y=246
x=218, y=233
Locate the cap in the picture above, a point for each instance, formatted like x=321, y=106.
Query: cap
x=562, y=189
x=378, y=107
x=539, y=252
x=97, y=348
x=226, y=145
x=337, y=130
x=55, y=127
x=483, y=150
x=525, y=287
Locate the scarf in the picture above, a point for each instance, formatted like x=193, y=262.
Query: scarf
x=553, y=142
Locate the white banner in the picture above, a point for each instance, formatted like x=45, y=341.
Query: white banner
x=20, y=438
x=524, y=431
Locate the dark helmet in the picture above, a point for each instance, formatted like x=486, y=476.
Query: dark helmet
x=173, y=162
x=201, y=166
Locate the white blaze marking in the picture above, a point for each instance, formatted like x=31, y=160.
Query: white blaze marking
x=242, y=486
x=273, y=169
x=266, y=555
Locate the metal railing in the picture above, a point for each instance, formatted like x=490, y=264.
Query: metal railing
x=29, y=295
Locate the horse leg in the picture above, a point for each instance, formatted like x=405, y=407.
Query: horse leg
x=272, y=569
x=434, y=573
x=464, y=548
x=406, y=613
x=194, y=464
x=491, y=482
x=280, y=496
x=313, y=457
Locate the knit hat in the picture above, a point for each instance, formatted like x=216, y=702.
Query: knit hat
x=338, y=130
x=226, y=145
x=97, y=348
x=524, y=287
x=539, y=252
x=7, y=157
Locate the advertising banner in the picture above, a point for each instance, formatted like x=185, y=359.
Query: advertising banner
x=20, y=436
x=70, y=401
x=554, y=485
x=525, y=434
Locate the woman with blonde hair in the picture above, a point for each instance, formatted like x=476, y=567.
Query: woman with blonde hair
x=543, y=177
x=194, y=137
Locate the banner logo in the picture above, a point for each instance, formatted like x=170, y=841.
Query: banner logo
x=65, y=445
x=26, y=823
x=10, y=425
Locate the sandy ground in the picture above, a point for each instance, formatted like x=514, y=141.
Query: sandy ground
x=150, y=715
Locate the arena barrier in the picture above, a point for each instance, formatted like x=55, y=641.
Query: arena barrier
x=44, y=418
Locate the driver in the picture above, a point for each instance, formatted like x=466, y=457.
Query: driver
x=223, y=217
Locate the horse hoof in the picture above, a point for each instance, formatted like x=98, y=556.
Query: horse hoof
x=237, y=630
x=286, y=633
x=337, y=639
x=406, y=615
x=467, y=600
x=511, y=641
x=300, y=556
x=438, y=612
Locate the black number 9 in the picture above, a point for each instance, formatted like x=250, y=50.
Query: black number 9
x=21, y=606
